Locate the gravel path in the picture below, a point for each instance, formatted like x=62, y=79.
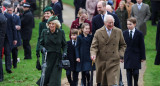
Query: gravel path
x=68, y=17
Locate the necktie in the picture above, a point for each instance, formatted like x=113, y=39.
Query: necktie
x=74, y=43
x=109, y=33
x=130, y=35
x=103, y=17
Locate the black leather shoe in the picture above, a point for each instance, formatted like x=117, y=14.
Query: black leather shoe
x=27, y=58
x=9, y=71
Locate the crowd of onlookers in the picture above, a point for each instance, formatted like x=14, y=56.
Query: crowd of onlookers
x=91, y=16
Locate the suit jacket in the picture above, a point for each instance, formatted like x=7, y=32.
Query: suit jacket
x=11, y=32
x=27, y=24
x=3, y=26
x=58, y=11
x=17, y=21
x=71, y=55
x=108, y=51
x=97, y=22
x=142, y=16
x=135, y=51
x=157, y=59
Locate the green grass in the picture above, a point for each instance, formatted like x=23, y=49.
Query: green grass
x=69, y=2
x=26, y=73
x=151, y=76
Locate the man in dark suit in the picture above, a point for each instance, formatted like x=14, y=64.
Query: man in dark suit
x=57, y=10
x=135, y=51
x=3, y=27
x=17, y=22
x=98, y=20
x=27, y=24
x=9, y=41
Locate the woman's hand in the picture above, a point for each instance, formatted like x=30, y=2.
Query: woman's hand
x=78, y=59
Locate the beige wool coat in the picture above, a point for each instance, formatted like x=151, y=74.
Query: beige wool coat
x=108, y=51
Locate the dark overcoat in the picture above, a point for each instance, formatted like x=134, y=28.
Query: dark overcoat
x=71, y=55
x=27, y=24
x=42, y=26
x=135, y=51
x=54, y=43
x=97, y=22
x=157, y=59
x=75, y=25
x=83, y=52
x=11, y=32
x=3, y=27
x=123, y=16
x=58, y=11
x=17, y=21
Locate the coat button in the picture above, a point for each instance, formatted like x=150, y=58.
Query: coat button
x=113, y=52
x=106, y=52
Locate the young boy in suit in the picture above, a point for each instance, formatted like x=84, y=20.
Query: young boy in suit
x=135, y=51
x=72, y=58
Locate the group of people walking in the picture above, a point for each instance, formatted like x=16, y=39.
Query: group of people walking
x=107, y=38
x=102, y=33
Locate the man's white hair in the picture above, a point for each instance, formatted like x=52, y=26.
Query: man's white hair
x=108, y=17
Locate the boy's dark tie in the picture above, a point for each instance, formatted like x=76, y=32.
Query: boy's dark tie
x=130, y=34
x=74, y=43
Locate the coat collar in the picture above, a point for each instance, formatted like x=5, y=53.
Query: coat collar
x=105, y=35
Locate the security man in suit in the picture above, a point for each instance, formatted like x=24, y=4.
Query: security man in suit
x=3, y=27
x=27, y=24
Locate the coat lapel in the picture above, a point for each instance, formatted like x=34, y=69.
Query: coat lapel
x=104, y=34
x=113, y=34
x=135, y=35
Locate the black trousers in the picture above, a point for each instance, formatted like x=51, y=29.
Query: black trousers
x=27, y=49
x=7, y=53
x=14, y=56
x=72, y=77
x=132, y=73
x=86, y=76
x=76, y=12
x=155, y=10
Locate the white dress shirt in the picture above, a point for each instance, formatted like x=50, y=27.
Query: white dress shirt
x=108, y=31
x=133, y=31
x=139, y=5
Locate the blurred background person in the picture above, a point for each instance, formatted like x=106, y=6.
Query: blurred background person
x=129, y=7
x=3, y=27
x=27, y=24
x=17, y=22
x=90, y=7
x=122, y=15
x=82, y=18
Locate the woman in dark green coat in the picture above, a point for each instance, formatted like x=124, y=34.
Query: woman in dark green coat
x=48, y=12
x=53, y=40
x=122, y=15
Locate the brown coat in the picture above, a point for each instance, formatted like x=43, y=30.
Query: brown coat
x=129, y=8
x=108, y=51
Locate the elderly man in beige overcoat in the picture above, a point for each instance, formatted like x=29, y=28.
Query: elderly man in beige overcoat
x=107, y=49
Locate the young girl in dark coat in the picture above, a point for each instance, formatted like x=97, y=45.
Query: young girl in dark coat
x=83, y=53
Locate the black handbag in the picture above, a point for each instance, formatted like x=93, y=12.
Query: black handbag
x=38, y=65
x=64, y=63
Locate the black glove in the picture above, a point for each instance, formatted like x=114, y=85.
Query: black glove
x=37, y=54
x=64, y=56
x=43, y=50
